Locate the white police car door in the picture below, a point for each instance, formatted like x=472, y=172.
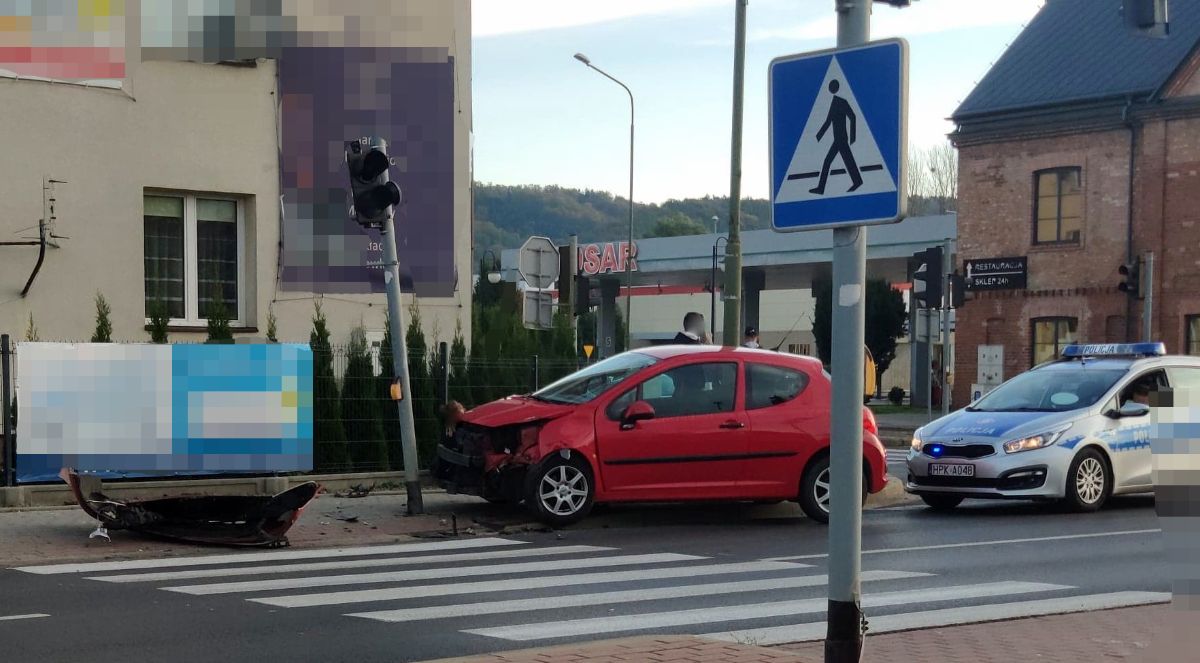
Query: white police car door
x=1128, y=439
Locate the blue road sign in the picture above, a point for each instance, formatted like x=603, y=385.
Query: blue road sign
x=838, y=136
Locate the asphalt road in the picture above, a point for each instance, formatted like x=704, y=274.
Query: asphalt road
x=747, y=573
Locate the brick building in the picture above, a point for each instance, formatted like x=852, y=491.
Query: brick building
x=1080, y=151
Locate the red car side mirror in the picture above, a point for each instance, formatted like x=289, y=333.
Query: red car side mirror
x=638, y=411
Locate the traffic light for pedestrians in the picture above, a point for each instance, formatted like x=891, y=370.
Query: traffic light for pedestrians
x=373, y=191
x=958, y=290
x=1130, y=279
x=927, y=277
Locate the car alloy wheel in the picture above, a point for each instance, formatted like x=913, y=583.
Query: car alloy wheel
x=563, y=490
x=1089, y=482
x=815, y=489
x=821, y=490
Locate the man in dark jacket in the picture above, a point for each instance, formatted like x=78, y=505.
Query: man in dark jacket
x=693, y=330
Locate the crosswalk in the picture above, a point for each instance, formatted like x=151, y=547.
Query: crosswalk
x=520, y=591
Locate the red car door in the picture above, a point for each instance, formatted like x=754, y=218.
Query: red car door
x=693, y=448
x=788, y=420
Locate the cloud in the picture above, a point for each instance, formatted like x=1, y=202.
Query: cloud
x=501, y=17
x=922, y=17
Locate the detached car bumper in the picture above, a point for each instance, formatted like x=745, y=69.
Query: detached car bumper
x=1039, y=474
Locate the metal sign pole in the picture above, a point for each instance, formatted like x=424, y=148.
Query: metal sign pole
x=947, y=267
x=10, y=449
x=1148, y=284
x=844, y=637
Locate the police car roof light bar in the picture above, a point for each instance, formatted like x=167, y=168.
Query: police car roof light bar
x=1115, y=350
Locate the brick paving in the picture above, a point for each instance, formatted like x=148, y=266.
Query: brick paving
x=1148, y=634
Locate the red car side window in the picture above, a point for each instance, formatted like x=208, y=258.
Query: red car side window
x=767, y=385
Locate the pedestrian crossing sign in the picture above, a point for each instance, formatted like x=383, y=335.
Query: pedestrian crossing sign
x=838, y=136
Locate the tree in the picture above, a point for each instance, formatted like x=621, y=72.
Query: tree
x=459, y=385
x=271, y=327
x=943, y=176
x=823, y=317
x=31, y=332
x=677, y=224
x=159, y=321
x=218, y=320
x=103, y=333
x=329, y=438
x=360, y=408
x=885, y=319
x=424, y=400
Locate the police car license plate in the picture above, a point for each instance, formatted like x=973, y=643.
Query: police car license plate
x=949, y=470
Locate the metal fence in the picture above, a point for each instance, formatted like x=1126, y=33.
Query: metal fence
x=356, y=424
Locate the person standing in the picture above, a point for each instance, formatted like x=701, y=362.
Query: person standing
x=693, y=331
x=751, y=338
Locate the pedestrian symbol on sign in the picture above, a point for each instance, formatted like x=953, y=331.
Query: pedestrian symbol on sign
x=837, y=155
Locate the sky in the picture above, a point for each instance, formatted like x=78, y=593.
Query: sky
x=541, y=117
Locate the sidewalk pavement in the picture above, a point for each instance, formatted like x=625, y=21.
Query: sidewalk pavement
x=1150, y=634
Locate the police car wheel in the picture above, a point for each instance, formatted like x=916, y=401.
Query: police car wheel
x=1089, y=482
x=941, y=502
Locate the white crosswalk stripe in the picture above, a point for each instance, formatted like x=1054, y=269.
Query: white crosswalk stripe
x=515, y=591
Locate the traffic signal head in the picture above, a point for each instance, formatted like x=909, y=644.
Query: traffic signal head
x=583, y=295
x=1130, y=279
x=373, y=191
x=927, y=277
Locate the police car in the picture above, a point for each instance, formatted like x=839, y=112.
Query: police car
x=1075, y=429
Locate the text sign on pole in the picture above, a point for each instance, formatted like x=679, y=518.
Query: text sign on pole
x=539, y=309
x=997, y=273
x=838, y=134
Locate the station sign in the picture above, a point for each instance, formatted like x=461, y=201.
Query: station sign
x=607, y=258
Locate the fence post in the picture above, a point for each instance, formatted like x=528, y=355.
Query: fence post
x=444, y=360
x=537, y=374
x=10, y=451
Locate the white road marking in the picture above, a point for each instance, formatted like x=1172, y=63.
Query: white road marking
x=517, y=584
x=542, y=566
x=349, y=564
x=625, y=596
x=729, y=613
x=973, y=544
x=777, y=635
x=280, y=556
x=10, y=618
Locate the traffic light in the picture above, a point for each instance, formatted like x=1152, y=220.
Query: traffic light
x=927, y=277
x=958, y=290
x=373, y=191
x=1131, y=273
x=583, y=295
x=565, y=281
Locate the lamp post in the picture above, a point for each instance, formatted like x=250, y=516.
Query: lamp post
x=712, y=312
x=716, y=219
x=629, y=247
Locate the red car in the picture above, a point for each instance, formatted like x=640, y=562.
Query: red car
x=663, y=424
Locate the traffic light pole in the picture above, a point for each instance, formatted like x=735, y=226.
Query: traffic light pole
x=572, y=270
x=947, y=295
x=1148, y=285
x=408, y=434
x=844, y=636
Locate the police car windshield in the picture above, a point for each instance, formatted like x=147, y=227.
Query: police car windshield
x=1056, y=390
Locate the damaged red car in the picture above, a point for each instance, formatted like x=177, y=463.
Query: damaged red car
x=661, y=424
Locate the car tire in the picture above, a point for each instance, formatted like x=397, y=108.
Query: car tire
x=814, y=490
x=1089, y=482
x=941, y=502
x=562, y=490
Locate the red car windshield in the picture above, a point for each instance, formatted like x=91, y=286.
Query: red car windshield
x=588, y=384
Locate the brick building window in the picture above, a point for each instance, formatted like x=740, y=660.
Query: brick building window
x=1192, y=334
x=1058, y=206
x=1050, y=336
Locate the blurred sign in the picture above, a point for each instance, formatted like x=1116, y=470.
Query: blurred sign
x=539, y=309
x=997, y=273
x=123, y=410
x=608, y=258
x=538, y=262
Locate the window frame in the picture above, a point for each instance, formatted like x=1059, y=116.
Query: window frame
x=1059, y=171
x=191, y=250
x=738, y=378
x=1188, y=340
x=1033, y=344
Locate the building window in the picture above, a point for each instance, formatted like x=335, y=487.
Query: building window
x=1050, y=336
x=194, y=252
x=800, y=349
x=1192, y=332
x=1058, y=206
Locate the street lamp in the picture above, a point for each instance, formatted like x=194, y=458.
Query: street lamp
x=629, y=247
x=493, y=274
x=712, y=312
x=716, y=220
